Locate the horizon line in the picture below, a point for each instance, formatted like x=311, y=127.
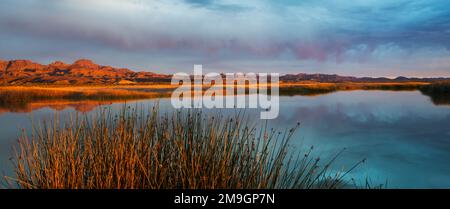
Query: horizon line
x=223, y=72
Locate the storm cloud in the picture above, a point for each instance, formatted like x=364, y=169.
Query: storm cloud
x=361, y=37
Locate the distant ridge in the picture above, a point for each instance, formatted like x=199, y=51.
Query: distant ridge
x=340, y=79
x=84, y=71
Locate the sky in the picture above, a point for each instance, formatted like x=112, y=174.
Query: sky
x=359, y=37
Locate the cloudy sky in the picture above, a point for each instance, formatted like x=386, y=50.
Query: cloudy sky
x=358, y=37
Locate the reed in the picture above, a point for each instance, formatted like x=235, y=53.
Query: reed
x=146, y=149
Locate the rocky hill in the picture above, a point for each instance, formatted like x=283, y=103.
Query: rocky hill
x=80, y=72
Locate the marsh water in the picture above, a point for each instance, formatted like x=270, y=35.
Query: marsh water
x=404, y=136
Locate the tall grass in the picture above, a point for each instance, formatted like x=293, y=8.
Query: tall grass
x=11, y=97
x=313, y=89
x=438, y=92
x=149, y=150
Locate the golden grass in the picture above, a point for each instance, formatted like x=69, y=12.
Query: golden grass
x=21, y=95
x=146, y=150
x=312, y=88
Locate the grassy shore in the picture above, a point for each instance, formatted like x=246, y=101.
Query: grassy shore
x=323, y=88
x=20, y=96
x=16, y=94
x=24, y=93
x=438, y=92
x=144, y=149
x=23, y=97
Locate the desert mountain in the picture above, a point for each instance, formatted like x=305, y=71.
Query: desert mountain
x=82, y=71
x=85, y=71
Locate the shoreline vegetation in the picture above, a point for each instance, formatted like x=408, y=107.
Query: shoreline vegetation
x=438, y=92
x=312, y=89
x=20, y=98
x=139, y=149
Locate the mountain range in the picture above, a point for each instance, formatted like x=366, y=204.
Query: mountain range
x=327, y=78
x=84, y=71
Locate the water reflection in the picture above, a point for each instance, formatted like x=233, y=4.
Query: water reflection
x=403, y=135
x=84, y=106
x=438, y=98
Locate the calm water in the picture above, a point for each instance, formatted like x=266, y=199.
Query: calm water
x=403, y=135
